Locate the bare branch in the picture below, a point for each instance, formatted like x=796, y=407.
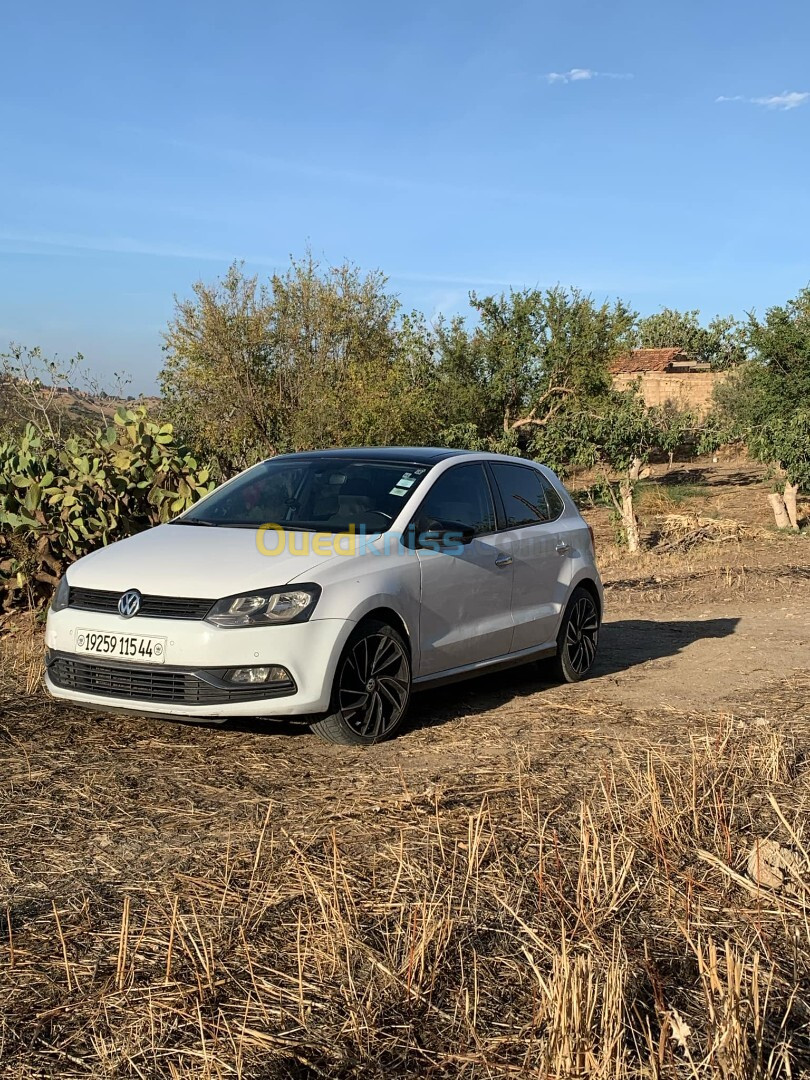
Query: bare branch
x=541, y=421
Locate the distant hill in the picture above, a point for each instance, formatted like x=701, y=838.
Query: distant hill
x=67, y=406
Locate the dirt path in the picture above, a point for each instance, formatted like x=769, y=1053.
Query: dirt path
x=698, y=660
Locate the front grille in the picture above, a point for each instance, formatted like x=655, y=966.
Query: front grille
x=142, y=683
x=155, y=607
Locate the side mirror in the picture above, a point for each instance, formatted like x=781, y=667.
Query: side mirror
x=445, y=535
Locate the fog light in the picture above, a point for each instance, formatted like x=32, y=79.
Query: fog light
x=269, y=673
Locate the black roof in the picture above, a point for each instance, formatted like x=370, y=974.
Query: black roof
x=414, y=455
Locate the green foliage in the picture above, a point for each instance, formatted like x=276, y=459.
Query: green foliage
x=467, y=437
x=323, y=357
x=785, y=440
x=533, y=378
x=61, y=500
x=614, y=435
x=314, y=358
x=768, y=400
x=611, y=433
x=531, y=353
x=723, y=343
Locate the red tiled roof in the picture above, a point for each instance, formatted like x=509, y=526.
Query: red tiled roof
x=646, y=360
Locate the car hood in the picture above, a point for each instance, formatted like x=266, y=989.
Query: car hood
x=177, y=560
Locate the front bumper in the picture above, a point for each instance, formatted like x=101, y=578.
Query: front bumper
x=190, y=683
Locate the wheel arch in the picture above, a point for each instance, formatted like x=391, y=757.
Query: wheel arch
x=391, y=618
x=590, y=586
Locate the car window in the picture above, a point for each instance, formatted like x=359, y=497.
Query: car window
x=553, y=499
x=460, y=495
x=320, y=494
x=528, y=498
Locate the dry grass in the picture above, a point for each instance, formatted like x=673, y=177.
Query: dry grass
x=686, y=530
x=178, y=902
x=725, y=557
x=531, y=885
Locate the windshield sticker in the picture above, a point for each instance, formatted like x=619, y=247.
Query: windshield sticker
x=398, y=491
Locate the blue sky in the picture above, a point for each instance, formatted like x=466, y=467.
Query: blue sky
x=452, y=145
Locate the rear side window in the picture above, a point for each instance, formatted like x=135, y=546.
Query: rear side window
x=553, y=500
x=528, y=498
x=460, y=495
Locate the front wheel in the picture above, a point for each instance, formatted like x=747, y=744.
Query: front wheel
x=578, y=638
x=372, y=688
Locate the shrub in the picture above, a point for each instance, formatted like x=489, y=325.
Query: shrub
x=59, y=501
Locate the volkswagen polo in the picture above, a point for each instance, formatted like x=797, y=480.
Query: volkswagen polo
x=328, y=586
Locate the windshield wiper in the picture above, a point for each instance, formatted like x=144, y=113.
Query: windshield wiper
x=281, y=525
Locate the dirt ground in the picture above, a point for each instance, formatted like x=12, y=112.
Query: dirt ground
x=94, y=807
x=685, y=636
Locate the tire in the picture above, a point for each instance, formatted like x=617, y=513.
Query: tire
x=372, y=688
x=578, y=638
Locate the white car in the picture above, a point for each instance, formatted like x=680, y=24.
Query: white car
x=328, y=586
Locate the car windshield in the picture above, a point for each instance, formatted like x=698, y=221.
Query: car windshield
x=318, y=494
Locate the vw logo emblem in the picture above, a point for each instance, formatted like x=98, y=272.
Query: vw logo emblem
x=129, y=604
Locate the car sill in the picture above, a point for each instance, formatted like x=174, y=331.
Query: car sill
x=470, y=671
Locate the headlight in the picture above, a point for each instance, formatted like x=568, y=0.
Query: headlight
x=266, y=607
x=61, y=596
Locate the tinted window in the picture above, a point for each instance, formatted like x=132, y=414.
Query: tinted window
x=320, y=494
x=553, y=500
x=528, y=498
x=460, y=495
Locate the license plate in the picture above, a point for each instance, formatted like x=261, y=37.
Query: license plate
x=142, y=650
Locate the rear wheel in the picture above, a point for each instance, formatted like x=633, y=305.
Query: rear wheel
x=372, y=688
x=578, y=638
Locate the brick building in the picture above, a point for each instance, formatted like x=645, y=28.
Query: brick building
x=668, y=376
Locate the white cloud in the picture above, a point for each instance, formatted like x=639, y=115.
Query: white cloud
x=582, y=74
x=574, y=75
x=788, y=99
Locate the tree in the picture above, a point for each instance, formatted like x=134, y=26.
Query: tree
x=530, y=354
x=217, y=380
x=722, y=343
x=767, y=402
x=533, y=377
x=615, y=435
x=785, y=440
x=317, y=357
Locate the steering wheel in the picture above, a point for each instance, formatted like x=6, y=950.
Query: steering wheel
x=382, y=514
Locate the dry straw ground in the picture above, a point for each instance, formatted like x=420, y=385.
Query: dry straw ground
x=530, y=882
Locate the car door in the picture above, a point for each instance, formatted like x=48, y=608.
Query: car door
x=535, y=535
x=466, y=593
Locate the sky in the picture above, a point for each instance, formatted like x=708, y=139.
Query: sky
x=657, y=151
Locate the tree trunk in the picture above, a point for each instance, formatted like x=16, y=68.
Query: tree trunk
x=779, y=511
x=791, y=491
x=628, y=515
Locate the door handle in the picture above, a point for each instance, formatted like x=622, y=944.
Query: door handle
x=562, y=547
x=503, y=560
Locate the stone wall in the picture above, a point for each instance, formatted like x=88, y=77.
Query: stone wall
x=685, y=389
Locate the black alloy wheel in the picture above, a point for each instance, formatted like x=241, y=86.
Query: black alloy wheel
x=578, y=639
x=372, y=688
